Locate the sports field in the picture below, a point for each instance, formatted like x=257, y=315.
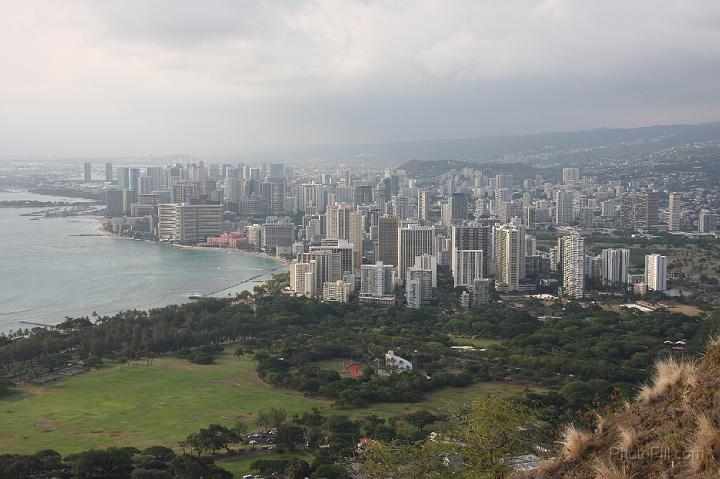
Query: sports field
x=162, y=403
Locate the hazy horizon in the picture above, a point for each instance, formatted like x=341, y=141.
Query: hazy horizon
x=220, y=78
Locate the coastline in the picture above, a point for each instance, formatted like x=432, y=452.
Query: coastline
x=259, y=254
x=284, y=263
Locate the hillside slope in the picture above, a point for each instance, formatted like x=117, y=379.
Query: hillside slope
x=671, y=430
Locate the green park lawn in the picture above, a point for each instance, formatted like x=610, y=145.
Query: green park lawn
x=476, y=342
x=143, y=406
x=162, y=403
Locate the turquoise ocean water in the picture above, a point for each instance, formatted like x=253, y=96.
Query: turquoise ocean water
x=56, y=267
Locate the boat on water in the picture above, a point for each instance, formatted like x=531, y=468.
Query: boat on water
x=196, y=296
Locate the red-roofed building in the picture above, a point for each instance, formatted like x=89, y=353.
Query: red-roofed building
x=355, y=370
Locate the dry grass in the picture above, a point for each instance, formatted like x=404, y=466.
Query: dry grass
x=628, y=439
x=608, y=470
x=668, y=373
x=702, y=443
x=547, y=467
x=713, y=341
x=600, y=424
x=574, y=442
x=691, y=378
x=646, y=394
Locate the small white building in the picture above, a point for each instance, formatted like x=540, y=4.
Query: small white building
x=397, y=363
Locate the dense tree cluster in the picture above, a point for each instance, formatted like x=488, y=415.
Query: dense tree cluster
x=579, y=352
x=155, y=462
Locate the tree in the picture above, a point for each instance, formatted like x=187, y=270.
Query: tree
x=290, y=435
x=186, y=466
x=421, y=419
x=297, y=469
x=480, y=444
x=150, y=474
x=161, y=453
x=211, y=439
x=5, y=384
x=329, y=471
x=102, y=462
x=272, y=417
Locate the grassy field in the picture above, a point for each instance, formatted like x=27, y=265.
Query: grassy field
x=160, y=404
x=476, y=342
x=163, y=403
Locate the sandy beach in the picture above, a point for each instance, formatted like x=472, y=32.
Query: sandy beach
x=281, y=261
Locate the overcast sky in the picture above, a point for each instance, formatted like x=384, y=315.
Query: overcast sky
x=220, y=77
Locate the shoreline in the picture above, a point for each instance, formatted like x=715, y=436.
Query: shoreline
x=284, y=263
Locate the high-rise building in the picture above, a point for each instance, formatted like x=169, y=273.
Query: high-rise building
x=302, y=277
x=362, y=195
x=424, y=204
x=504, y=180
x=134, y=175
x=277, y=170
x=413, y=293
x=386, y=248
x=123, y=177
x=571, y=175
x=336, y=291
x=118, y=202
x=458, y=207
x=343, y=249
x=509, y=257
x=423, y=277
x=413, y=240
x=639, y=210
x=564, y=207
x=144, y=185
x=401, y=206
x=707, y=222
x=157, y=177
x=377, y=279
x=674, y=211
x=468, y=267
x=608, y=208
x=108, y=172
x=614, y=266
x=573, y=264
x=185, y=192
x=273, y=193
x=88, y=172
x=356, y=236
x=480, y=291
x=474, y=236
x=655, y=272
x=233, y=189
x=337, y=222
x=504, y=211
x=186, y=223
x=428, y=262
x=277, y=232
x=328, y=267
x=314, y=198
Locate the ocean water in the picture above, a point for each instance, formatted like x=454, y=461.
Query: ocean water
x=53, y=268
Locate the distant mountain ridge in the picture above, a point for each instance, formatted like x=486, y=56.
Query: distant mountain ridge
x=564, y=147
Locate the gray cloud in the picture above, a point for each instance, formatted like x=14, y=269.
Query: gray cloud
x=221, y=77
